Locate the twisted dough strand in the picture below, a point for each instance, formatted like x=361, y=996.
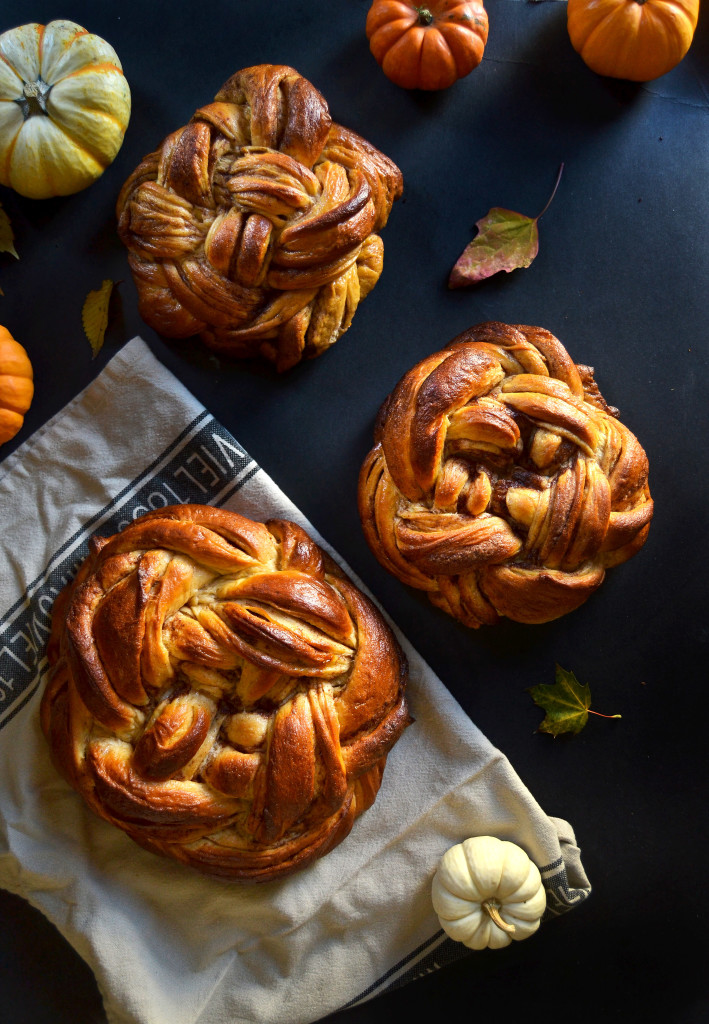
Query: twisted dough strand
x=256, y=224
x=221, y=692
x=501, y=482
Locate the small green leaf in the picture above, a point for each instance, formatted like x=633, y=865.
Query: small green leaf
x=567, y=703
x=94, y=315
x=505, y=241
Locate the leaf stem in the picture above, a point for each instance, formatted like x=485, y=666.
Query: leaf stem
x=551, y=197
x=600, y=715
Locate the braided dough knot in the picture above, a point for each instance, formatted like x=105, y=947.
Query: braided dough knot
x=501, y=481
x=221, y=692
x=256, y=225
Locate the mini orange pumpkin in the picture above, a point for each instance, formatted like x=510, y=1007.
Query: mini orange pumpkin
x=16, y=385
x=427, y=46
x=638, y=40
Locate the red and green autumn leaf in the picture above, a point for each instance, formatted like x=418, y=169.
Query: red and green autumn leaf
x=505, y=241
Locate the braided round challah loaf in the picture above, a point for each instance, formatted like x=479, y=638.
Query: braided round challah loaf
x=501, y=481
x=222, y=692
x=255, y=226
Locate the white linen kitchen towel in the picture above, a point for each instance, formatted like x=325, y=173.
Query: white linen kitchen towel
x=168, y=945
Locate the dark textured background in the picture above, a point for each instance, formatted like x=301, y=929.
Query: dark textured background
x=621, y=278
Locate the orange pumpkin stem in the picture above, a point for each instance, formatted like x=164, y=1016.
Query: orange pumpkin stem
x=425, y=16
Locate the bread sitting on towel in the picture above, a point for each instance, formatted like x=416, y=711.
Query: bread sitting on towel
x=222, y=692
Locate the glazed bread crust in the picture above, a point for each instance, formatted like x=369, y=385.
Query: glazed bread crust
x=256, y=225
x=501, y=482
x=222, y=692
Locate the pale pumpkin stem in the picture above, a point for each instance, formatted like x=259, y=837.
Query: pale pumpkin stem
x=425, y=16
x=493, y=909
x=34, y=100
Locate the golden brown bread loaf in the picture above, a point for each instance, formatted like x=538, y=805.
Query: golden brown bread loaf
x=256, y=225
x=501, y=481
x=221, y=692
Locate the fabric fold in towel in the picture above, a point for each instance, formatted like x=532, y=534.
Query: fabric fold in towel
x=168, y=945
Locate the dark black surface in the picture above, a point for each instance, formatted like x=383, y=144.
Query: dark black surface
x=621, y=278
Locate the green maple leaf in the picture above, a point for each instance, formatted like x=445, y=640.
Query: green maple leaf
x=567, y=703
x=505, y=241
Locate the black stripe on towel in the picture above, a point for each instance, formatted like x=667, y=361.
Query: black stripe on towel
x=203, y=464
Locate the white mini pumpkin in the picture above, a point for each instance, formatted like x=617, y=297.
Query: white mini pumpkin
x=487, y=892
x=64, y=108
